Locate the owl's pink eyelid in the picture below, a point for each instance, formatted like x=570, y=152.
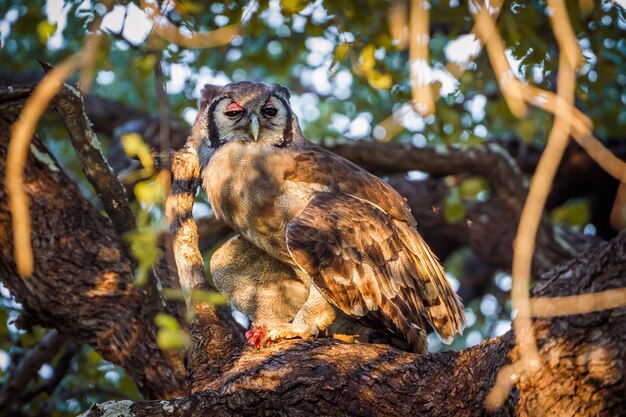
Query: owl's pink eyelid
x=268, y=105
x=234, y=107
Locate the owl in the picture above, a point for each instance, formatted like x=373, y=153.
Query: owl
x=320, y=240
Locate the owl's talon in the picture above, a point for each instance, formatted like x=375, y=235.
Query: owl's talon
x=263, y=335
x=316, y=331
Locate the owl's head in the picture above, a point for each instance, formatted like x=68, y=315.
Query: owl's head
x=245, y=111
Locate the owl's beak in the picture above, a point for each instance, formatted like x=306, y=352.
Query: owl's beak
x=254, y=126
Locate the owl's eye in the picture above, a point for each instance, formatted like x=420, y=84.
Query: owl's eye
x=269, y=109
x=271, y=112
x=234, y=110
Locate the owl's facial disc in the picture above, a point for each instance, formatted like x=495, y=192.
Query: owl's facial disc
x=246, y=112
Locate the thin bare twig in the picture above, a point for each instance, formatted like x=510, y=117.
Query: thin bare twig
x=581, y=130
x=391, y=126
x=418, y=58
x=210, y=39
x=396, y=20
x=524, y=246
x=89, y=53
x=488, y=33
x=457, y=68
x=21, y=134
x=618, y=212
x=61, y=369
x=581, y=127
x=164, y=109
x=90, y=48
x=423, y=101
x=578, y=304
x=119, y=35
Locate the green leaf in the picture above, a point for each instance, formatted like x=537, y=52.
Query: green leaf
x=574, y=212
x=340, y=51
x=209, y=297
x=453, y=207
x=170, y=336
x=45, y=30
x=368, y=60
x=471, y=187
x=144, y=248
x=166, y=321
x=128, y=387
x=293, y=6
x=339, y=54
x=150, y=191
x=378, y=80
x=135, y=147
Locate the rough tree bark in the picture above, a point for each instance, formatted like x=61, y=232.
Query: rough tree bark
x=83, y=287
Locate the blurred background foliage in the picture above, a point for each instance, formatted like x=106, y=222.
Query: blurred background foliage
x=347, y=66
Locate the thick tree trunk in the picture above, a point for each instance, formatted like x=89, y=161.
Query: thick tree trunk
x=83, y=281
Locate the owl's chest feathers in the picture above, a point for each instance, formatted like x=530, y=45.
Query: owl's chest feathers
x=248, y=188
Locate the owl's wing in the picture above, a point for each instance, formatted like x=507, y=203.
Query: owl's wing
x=317, y=165
x=363, y=263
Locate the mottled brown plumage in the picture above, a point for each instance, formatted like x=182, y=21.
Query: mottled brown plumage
x=348, y=236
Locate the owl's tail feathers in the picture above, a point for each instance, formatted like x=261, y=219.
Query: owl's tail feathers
x=416, y=337
x=396, y=316
x=442, y=307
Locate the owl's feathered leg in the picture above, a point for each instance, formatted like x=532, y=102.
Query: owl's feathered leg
x=261, y=287
x=314, y=318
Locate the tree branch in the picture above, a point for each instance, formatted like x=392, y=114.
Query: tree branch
x=20, y=375
x=582, y=371
x=108, y=187
x=60, y=371
x=215, y=333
